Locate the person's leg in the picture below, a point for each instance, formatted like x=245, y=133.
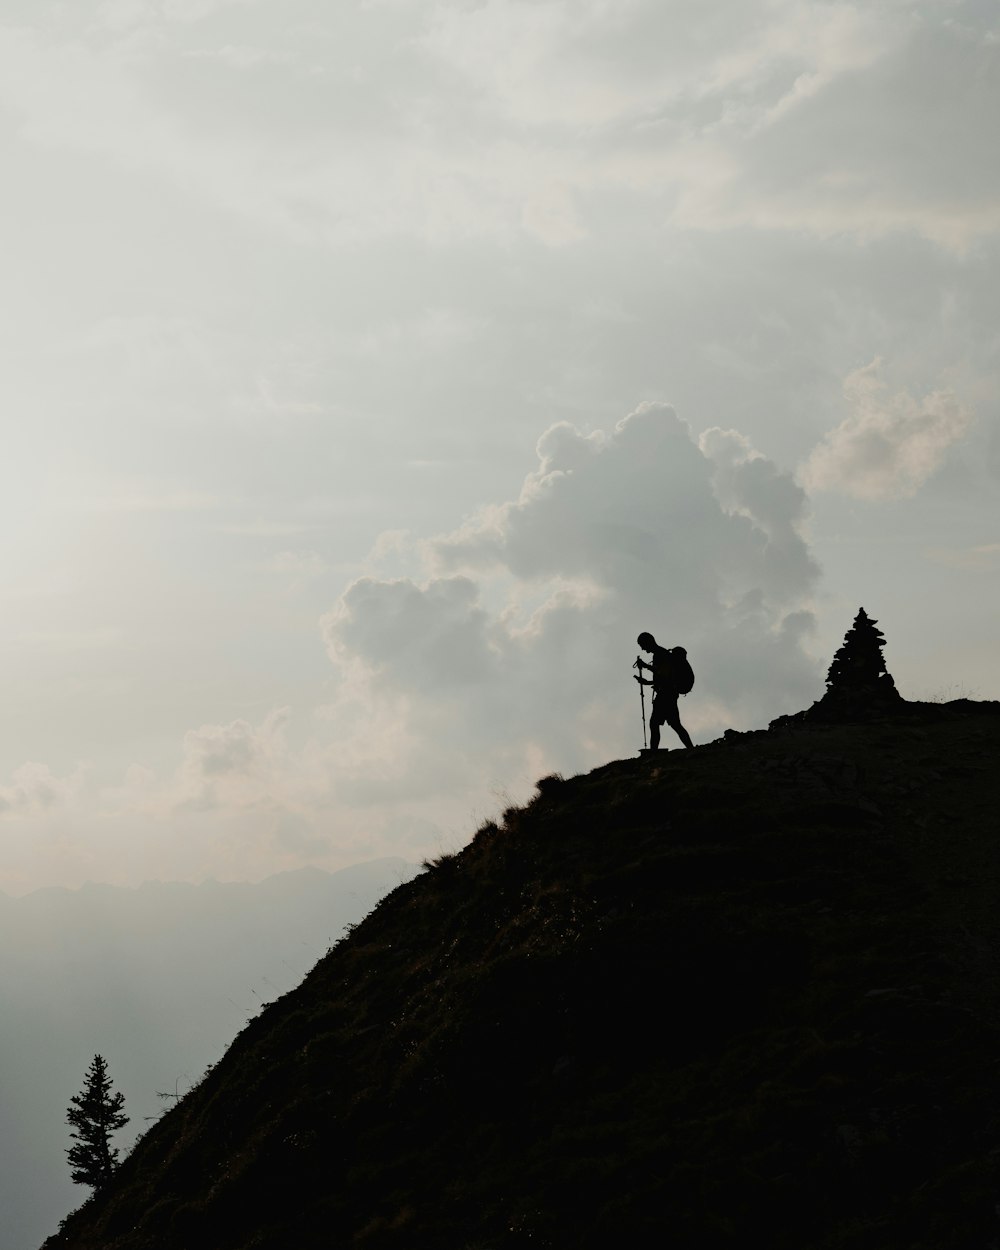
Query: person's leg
x=655, y=721
x=673, y=719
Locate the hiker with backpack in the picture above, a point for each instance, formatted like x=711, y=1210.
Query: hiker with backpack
x=672, y=676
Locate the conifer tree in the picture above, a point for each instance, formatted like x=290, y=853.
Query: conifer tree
x=95, y=1113
x=859, y=662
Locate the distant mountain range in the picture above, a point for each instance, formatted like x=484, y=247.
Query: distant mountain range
x=158, y=979
x=744, y=995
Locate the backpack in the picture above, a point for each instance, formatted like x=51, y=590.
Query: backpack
x=681, y=670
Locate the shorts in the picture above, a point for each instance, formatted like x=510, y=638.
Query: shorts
x=664, y=707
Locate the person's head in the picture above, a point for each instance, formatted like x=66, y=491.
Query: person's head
x=646, y=642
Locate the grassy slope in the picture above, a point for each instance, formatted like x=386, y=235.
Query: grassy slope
x=744, y=992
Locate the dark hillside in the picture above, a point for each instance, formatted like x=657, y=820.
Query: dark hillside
x=744, y=994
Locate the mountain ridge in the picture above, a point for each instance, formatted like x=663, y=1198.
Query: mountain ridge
x=743, y=992
x=305, y=872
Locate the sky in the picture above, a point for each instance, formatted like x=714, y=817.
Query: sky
x=373, y=373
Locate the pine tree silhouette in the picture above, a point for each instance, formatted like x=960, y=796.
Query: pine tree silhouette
x=859, y=662
x=95, y=1113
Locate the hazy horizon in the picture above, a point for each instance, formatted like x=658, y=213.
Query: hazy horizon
x=154, y=882
x=374, y=375
x=158, y=981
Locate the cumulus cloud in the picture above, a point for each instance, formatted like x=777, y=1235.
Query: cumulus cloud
x=889, y=444
x=712, y=517
x=34, y=789
x=430, y=637
x=233, y=762
x=512, y=647
x=748, y=484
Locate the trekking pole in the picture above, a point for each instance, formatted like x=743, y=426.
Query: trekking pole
x=642, y=698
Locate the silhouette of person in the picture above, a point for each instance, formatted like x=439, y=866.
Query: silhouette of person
x=665, y=692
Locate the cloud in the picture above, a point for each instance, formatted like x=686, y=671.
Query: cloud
x=239, y=804
x=508, y=118
x=748, y=484
x=429, y=637
x=646, y=500
x=795, y=114
x=597, y=64
x=235, y=762
x=892, y=134
x=35, y=789
x=514, y=649
x=890, y=444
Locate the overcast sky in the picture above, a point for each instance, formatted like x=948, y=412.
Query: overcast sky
x=372, y=373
